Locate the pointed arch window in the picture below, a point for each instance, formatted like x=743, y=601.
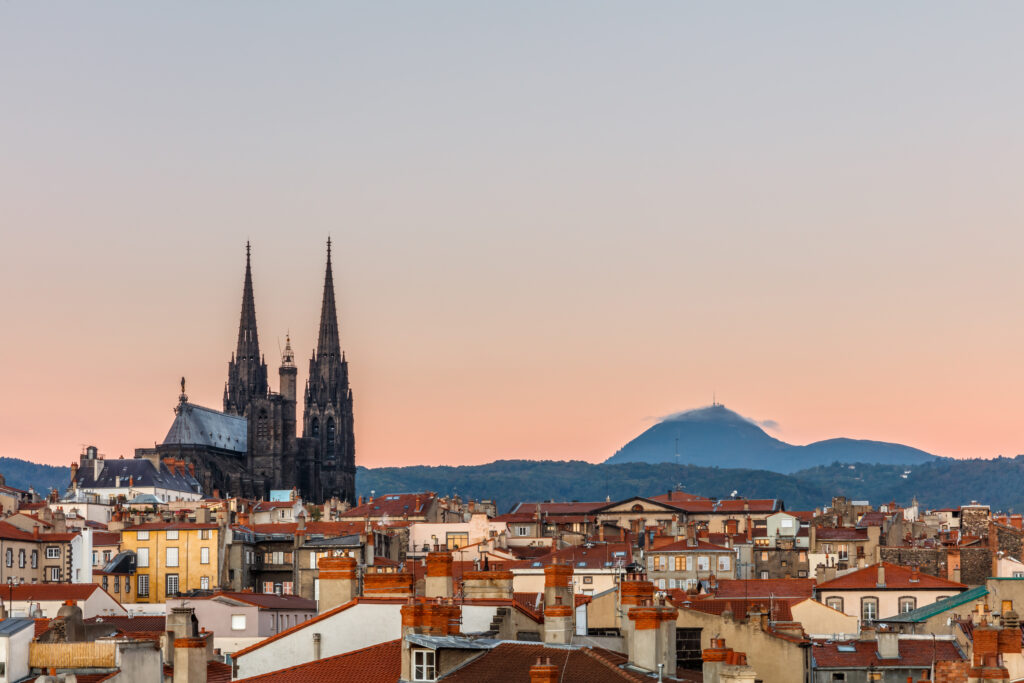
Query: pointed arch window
x=315, y=429
x=262, y=426
x=330, y=435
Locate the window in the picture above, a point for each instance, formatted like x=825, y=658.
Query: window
x=764, y=555
x=835, y=603
x=21, y=559
x=908, y=604
x=52, y=552
x=764, y=575
x=287, y=588
x=204, y=534
x=127, y=585
x=117, y=585
x=262, y=426
x=785, y=523
x=1007, y=606
x=671, y=584
x=838, y=676
x=143, y=585
x=9, y=557
x=204, y=583
x=522, y=531
x=95, y=558
x=172, y=584
x=204, y=556
x=54, y=573
x=35, y=559
x=869, y=609
x=842, y=551
x=457, y=540
x=650, y=563
x=423, y=668
x=703, y=563
x=661, y=584
x=826, y=548
x=237, y=622
x=106, y=556
x=142, y=535
x=172, y=557
x=142, y=557
x=172, y=534
x=330, y=436
x=315, y=430
x=723, y=563
x=680, y=563
x=802, y=557
x=105, y=583
x=588, y=579
x=268, y=586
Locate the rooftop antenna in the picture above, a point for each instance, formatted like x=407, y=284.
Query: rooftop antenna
x=714, y=400
x=677, y=451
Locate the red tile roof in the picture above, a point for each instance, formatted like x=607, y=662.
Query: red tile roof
x=53, y=591
x=527, y=604
x=393, y=505
x=732, y=506
x=596, y=557
x=896, y=578
x=765, y=588
x=872, y=519
x=510, y=662
x=266, y=600
x=326, y=529
x=42, y=625
x=677, y=497
x=780, y=609
x=105, y=538
x=9, y=532
x=913, y=653
x=161, y=526
x=375, y=664
x=137, y=624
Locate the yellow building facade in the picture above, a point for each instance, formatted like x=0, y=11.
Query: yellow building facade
x=173, y=558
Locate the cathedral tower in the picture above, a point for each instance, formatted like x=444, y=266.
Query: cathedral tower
x=247, y=373
x=327, y=416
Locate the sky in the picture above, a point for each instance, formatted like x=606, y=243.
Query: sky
x=553, y=222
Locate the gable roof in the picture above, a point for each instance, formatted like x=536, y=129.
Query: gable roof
x=393, y=505
x=375, y=664
x=556, y=509
x=780, y=609
x=265, y=600
x=598, y=556
x=55, y=591
x=859, y=654
x=897, y=577
x=510, y=662
x=199, y=426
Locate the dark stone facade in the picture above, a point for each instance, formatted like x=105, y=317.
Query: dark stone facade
x=321, y=463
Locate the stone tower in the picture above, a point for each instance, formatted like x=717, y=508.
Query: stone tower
x=247, y=373
x=327, y=417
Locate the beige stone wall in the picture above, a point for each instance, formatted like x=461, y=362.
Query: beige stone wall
x=821, y=619
x=774, y=659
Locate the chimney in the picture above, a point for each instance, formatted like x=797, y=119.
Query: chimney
x=888, y=645
x=384, y=584
x=487, y=585
x=544, y=672
x=559, y=604
x=438, y=582
x=338, y=582
x=316, y=646
x=429, y=618
x=203, y=515
x=190, y=658
x=881, y=575
x=600, y=532
x=651, y=642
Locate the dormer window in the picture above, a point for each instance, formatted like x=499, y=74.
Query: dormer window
x=423, y=665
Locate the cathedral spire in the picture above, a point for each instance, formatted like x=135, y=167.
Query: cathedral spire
x=329, y=343
x=247, y=373
x=248, y=340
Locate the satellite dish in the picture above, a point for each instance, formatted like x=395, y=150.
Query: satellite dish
x=734, y=493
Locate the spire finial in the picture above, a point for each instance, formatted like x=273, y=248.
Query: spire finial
x=247, y=249
x=328, y=248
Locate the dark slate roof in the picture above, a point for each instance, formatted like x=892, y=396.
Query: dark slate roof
x=196, y=425
x=11, y=626
x=136, y=472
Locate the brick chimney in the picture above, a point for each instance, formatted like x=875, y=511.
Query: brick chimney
x=438, y=582
x=387, y=584
x=338, y=582
x=190, y=658
x=544, y=672
x=559, y=604
x=723, y=665
x=881, y=575
x=426, y=617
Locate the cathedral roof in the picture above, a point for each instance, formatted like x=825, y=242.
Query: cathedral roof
x=198, y=426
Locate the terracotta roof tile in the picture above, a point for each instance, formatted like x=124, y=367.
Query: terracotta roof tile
x=896, y=578
x=765, y=588
x=600, y=555
x=913, y=653
x=393, y=505
x=375, y=664
x=780, y=608
x=510, y=662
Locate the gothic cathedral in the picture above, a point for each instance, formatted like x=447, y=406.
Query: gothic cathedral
x=252, y=446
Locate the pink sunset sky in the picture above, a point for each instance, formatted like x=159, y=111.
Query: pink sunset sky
x=553, y=223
